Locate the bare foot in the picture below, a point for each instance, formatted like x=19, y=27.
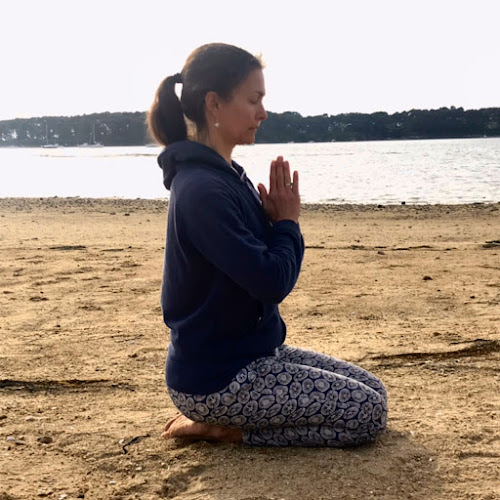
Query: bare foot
x=181, y=426
x=171, y=421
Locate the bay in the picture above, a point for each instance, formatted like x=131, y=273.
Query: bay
x=450, y=171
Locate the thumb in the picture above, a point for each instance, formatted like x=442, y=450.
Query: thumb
x=263, y=192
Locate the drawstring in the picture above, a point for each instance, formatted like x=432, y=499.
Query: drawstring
x=244, y=178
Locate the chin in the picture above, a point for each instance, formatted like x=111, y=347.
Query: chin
x=248, y=138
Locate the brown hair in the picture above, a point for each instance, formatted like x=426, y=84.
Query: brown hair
x=214, y=67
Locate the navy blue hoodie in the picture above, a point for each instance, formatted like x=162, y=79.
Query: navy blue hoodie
x=226, y=269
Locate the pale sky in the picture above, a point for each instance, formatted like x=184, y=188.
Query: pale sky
x=322, y=56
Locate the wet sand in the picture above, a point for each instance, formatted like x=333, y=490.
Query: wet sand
x=411, y=293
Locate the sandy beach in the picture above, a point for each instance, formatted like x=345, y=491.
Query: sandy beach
x=412, y=293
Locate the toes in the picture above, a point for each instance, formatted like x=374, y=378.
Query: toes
x=170, y=422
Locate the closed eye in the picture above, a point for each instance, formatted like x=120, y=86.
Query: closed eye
x=258, y=96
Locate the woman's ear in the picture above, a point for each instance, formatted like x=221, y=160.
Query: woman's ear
x=212, y=102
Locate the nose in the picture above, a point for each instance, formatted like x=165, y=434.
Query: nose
x=263, y=113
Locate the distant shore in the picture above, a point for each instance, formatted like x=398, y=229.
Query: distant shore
x=108, y=128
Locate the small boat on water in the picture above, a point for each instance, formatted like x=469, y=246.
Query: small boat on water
x=48, y=145
x=93, y=143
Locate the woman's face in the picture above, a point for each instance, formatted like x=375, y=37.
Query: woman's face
x=240, y=117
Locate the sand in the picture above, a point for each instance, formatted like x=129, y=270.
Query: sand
x=411, y=293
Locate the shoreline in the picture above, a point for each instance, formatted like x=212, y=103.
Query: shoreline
x=56, y=202
x=154, y=145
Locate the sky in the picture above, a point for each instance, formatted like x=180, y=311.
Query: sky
x=322, y=56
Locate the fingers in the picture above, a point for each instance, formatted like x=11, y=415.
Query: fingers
x=286, y=175
x=282, y=201
x=280, y=178
x=272, y=177
x=280, y=175
x=295, y=185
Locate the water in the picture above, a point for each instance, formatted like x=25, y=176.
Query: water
x=418, y=172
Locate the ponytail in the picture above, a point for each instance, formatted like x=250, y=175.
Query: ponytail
x=165, y=119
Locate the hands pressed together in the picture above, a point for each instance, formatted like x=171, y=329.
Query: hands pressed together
x=282, y=202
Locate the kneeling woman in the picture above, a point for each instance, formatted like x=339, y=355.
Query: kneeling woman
x=232, y=255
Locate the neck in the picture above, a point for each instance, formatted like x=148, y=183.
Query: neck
x=216, y=144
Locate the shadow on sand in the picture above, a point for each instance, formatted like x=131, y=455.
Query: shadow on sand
x=395, y=467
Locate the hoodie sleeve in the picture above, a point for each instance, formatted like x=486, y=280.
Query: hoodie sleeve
x=213, y=221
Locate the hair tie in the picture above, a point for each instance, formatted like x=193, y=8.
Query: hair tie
x=177, y=78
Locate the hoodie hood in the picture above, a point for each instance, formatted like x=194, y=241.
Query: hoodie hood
x=183, y=153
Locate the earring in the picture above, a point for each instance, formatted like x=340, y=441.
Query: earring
x=217, y=124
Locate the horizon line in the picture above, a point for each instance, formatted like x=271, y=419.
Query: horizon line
x=268, y=111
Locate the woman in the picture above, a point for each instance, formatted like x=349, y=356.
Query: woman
x=232, y=255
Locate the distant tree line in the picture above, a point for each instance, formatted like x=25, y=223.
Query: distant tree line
x=129, y=129
x=415, y=124
x=108, y=129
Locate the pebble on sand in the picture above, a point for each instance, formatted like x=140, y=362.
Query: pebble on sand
x=45, y=493
x=45, y=439
x=12, y=439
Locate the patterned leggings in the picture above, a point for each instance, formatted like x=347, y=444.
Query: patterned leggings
x=295, y=398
